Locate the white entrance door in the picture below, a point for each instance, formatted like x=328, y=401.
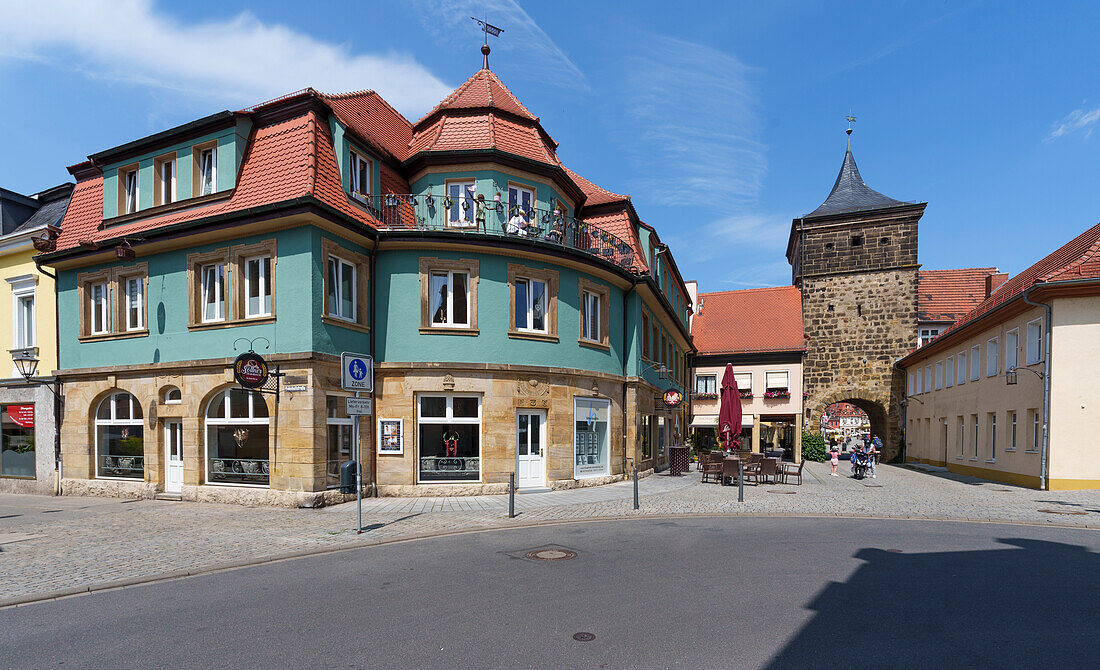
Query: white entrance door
x=531, y=449
x=173, y=457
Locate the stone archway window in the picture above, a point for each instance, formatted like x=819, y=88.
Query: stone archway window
x=172, y=396
x=119, y=438
x=237, y=444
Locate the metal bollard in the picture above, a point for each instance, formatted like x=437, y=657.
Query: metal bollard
x=511, y=495
x=740, y=481
x=635, y=487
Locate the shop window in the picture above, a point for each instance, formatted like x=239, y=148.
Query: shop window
x=449, y=438
x=448, y=296
x=594, y=311
x=591, y=437
x=345, y=279
x=644, y=434
x=237, y=444
x=534, y=309
x=206, y=169
x=339, y=438
x=17, y=441
x=461, y=198
x=119, y=438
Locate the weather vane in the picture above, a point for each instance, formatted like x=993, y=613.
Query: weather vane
x=851, y=119
x=488, y=29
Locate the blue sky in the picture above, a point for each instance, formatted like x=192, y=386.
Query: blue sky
x=723, y=121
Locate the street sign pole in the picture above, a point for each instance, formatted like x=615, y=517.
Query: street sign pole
x=357, y=374
x=358, y=477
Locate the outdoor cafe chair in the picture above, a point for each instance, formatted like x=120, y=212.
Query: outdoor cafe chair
x=703, y=455
x=755, y=457
x=769, y=467
x=729, y=470
x=713, y=467
x=788, y=470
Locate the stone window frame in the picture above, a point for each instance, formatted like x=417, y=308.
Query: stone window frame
x=158, y=179
x=196, y=168
x=604, y=292
x=236, y=294
x=115, y=279
x=550, y=278
x=120, y=178
x=331, y=248
x=194, y=288
x=428, y=264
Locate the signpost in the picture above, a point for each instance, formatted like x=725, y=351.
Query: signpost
x=357, y=374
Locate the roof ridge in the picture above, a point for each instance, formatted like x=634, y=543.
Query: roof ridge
x=996, y=269
x=1085, y=257
x=747, y=290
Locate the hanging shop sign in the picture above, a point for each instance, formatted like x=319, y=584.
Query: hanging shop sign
x=250, y=370
x=22, y=415
x=673, y=398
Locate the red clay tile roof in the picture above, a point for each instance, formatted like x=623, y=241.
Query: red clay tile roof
x=482, y=90
x=752, y=320
x=618, y=224
x=594, y=195
x=947, y=295
x=372, y=118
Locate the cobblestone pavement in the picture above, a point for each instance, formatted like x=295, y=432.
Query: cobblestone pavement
x=55, y=546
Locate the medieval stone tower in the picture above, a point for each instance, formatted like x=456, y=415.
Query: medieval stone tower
x=854, y=259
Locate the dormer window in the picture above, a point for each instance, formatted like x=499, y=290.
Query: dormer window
x=128, y=183
x=360, y=176
x=166, y=180
x=206, y=169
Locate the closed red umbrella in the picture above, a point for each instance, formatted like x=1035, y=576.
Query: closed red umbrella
x=729, y=413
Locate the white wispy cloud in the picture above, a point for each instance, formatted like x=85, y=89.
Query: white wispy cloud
x=239, y=61
x=695, y=129
x=531, y=52
x=1076, y=120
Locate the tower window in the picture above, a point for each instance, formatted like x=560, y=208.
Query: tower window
x=857, y=240
x=828, y=246
x=885, y=240
x=832, y=308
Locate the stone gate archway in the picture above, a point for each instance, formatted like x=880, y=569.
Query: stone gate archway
x=884, y=416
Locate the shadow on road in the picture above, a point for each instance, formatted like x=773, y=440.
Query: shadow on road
x=1020, y=607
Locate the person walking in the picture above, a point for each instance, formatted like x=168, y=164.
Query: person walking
x=876, y=449
x=834, y=458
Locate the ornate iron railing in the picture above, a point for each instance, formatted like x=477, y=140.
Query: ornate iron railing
x=122, y=466
x=449, y=467
x=239, y=470
x=481, y=217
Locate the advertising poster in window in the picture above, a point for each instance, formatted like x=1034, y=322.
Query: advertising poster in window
x=391, y=438
x=592, y=434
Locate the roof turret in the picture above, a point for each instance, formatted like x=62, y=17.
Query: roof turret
x=850, y=194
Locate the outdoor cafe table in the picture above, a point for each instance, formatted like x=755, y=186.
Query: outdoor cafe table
x=679, y=461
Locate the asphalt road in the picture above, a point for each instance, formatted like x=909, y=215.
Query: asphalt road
x=692, y=593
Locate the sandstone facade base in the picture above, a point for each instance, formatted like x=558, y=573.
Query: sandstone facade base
x=108, y=488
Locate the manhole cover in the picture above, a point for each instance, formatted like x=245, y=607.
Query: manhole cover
x=1062, y=511
x=584, y=637
x=553, y=555
x=893, y=551
x=873, y=486
x=790, y=493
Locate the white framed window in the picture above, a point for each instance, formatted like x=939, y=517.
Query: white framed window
x=450, y=298
x=130, y=190
x=213, y=292
x=134, y=299
x=992, y=436
x=100, y=301
x=961, y=377
x=1034, y=341
x=1012, y=349
x=939, y=375
x=975, y=362
x=919, y=381
x=339, y=426
x=23, y=309
x=591, y=328
x=974, y=437
x=521, y=201
x=1036, y=429
x=706, y=384
x=342, y=289
x=119, y=443
x=777, y=381
x=531, y=305
x=960, y=436
x=992, y=352
x=949, y=372
x=360, y=176
x=462, y=196
x=257, y=286
x=928, y=379
x=744, y=381
x=1011, y=431
x=910, y=378
x=208, y=170
x=928, y=334
x=448, y=437
x=237, y=447
x=166, y=181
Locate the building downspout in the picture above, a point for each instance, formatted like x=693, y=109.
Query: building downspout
x=373, y=401
x=57, y=380
x=1046, y=386
x=626, y=298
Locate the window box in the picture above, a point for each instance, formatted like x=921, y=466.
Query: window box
x=707, y=396
x=746, y=394
x=777, y=393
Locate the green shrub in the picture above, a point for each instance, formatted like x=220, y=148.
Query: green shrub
x=813, y=447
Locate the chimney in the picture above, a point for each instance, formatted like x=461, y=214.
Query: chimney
x=994, y=281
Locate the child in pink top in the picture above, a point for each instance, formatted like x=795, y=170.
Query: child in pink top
x=834, y=459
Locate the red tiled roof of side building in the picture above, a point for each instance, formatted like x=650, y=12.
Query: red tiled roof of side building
x=748, y=321
x=618, y=224
x=947, y=295
x=483, y=131
x=373, y=119
x=1077, y=259
x=595, y=195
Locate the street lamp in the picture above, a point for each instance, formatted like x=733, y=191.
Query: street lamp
x=26, y=362
x=1010, y=375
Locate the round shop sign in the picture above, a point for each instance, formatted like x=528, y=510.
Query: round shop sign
x=250, y=370
x=673, y=398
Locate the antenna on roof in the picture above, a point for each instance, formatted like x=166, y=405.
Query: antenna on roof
x=488, y=29
x=851, y=119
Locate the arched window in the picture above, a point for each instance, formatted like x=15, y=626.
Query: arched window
x=237, y=439
x=172, y=396
x=119, y=438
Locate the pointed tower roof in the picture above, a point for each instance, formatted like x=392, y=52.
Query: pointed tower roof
x=850, y=194
x=482, y=90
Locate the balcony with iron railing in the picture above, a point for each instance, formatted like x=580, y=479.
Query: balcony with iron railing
x=467, y=216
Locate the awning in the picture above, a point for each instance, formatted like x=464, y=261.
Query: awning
x=746, y=420
x=704, y=421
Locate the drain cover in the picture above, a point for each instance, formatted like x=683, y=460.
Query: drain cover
x=552, y=555
x=1061, y=511
x=790, y=493
x=894, y=551
x=873, y=486
x=584, y=637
